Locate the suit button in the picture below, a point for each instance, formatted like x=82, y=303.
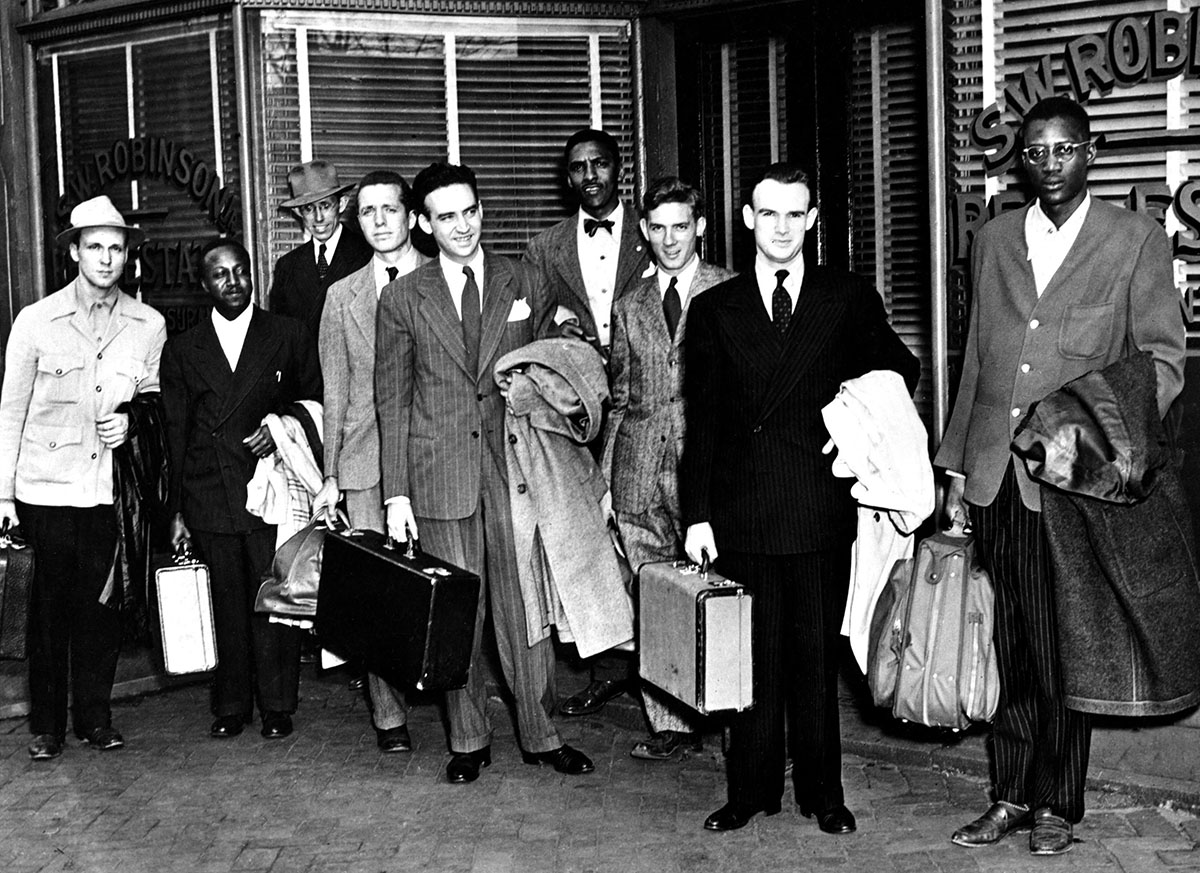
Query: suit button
x=512, y=439
x=521, y=489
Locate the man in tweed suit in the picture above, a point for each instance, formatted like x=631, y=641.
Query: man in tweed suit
x=439, y=333
x=347, y=349
x=1067, y=285
x=764, y=352
x=644, y=436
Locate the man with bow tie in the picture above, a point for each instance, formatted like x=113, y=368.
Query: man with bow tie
x=439, y=332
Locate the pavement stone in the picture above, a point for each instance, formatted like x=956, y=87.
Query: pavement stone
x=326, y=801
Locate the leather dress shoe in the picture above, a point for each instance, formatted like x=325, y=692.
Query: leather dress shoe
x=276, y=725
x=593, y=697
x=1001, y=819
x=564, y=759
x=225, y=727
x=104, y=739
x=664, y=745
x=734, y=815
x=393, y=739
x=837, y=820
x=464, y=766
x=45, y=747
x=1052, y=834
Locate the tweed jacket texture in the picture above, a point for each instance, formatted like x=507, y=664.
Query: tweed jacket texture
x=1114, y=294
x=347, y=349
x=298, y=292
x=555, y=254
x=57, y=381
x=568, y=570
x=752, y=463
x=210, y=409
x=434, y=416
x=645, y=426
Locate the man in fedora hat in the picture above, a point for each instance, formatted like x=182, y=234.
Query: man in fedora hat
x=73, y=359
x=304, y=274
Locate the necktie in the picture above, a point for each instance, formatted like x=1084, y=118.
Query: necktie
x=671, y=307
x=392, y=272
x=322, y=264
x=471, y=320
x=781, y=303
x=591, y=225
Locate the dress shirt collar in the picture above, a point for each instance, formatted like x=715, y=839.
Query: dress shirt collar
x=231, y=334
x=331, y=245
x=685, y=278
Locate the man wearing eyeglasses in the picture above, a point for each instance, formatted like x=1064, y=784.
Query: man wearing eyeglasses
x=1064, y=286
x=303, y=275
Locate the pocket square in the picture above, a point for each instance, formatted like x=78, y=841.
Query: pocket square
x=520, y=310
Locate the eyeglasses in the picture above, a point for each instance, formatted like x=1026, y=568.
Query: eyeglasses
x=1063, y=151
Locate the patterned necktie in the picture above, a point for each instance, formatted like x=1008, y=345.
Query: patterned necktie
x=781, y=303
x=392, y=272
x=671, y=307
x=591, y=225
x=471, y=320
x=322, y=264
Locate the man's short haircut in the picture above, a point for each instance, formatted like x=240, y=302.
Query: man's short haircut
x=441, y=174
x=672, y=189
x=389, y=177
x=784, y=174
x=600, y=137
x=1062, y=108
x=222, y=242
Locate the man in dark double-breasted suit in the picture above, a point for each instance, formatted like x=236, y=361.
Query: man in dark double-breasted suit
x=219, y=380
x=303, y=276
x=763, y=353
x=439, y=332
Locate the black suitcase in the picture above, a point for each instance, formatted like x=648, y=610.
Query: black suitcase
x=16, y=595
x=407, y=616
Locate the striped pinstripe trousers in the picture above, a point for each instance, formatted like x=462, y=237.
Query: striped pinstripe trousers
x=1039, y=748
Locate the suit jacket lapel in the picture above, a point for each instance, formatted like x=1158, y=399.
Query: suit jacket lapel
x=437, y=306
x=257, y=351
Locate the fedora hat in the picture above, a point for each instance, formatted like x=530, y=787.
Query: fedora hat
x=99, y=212
x=313, y=181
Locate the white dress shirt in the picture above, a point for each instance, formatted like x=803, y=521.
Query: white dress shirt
x=598, y=257
x=1048, y=245
x=764, y=275
x=457, y=280
x=232, y=334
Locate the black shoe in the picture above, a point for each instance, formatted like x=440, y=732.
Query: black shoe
x=464, y=766
x=1001, y=819
x=838, y=820
x=276, y=725
x=592, y=698
x=227, y=726
x=564, y=759
x=734, y=815
x=665, y=745
x=45, y=747
x=393, y=739
x=104, y=739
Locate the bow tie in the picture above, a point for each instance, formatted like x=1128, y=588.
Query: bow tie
x=591, y=225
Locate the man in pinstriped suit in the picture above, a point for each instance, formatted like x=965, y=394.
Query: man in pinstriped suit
x=644, y=435
x=439, y=333
x=1067, y=285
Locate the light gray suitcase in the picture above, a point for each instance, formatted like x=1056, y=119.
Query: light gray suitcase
x=185, y=616
x=694, y=636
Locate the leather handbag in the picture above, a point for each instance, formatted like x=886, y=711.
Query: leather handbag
x=291, y=587
x=16, y=595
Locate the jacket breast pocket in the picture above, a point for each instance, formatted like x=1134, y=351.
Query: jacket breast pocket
x=1086, y=330
x=60, y=378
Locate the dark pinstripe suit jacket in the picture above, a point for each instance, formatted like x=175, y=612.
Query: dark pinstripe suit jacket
x=752, y=463
x=434, y=416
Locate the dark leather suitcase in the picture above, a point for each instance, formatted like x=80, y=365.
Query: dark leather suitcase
x=16, y=595
x=408, y=616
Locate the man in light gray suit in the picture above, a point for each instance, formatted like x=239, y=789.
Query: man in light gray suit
x=644, y=438
x=439, y=333
x=347, y=347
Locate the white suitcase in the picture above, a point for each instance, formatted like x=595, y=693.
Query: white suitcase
x=185, y=616
x=694, y=636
